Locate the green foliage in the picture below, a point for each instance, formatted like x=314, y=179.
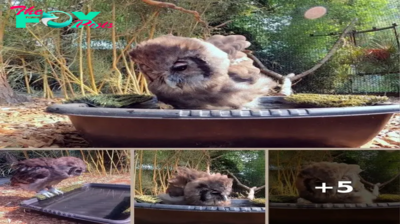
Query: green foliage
x=247, y=165
x=281, y=38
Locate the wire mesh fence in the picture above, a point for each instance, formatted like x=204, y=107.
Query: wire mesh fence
x=368, y=61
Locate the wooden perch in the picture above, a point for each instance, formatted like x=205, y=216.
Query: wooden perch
x=381, y=185
x=173, y=6
x=251, y=190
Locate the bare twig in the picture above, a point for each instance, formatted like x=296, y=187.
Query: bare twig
x=237, y=181
x=173, y=6
x=251, y=190
x=264, y=69
x=329, y=55
x=222, y=24
x=381, y=185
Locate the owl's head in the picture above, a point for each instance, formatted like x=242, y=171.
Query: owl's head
x=330, y=173
x=72, y=166
x=212, y=190
x=179, y=62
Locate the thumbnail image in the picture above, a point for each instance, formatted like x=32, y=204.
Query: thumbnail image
x=199, y=186
x=336, y=186
x=65, y=186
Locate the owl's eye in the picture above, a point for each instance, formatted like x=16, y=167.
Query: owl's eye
x=180, y=66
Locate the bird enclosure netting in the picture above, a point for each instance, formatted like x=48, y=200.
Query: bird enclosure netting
x=153, y=168
x=71, y=62
x=367, y=61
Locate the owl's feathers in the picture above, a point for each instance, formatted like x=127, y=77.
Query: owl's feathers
x=331, y=173
x=190, y=73
x=41, y=173
x=182, y=176
x=193, y=187
x=210, y=190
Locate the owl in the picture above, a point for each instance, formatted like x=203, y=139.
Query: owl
x=43, y=173
x=330, y=173
x=190, y=73
x=192, y=187
x=183, y=176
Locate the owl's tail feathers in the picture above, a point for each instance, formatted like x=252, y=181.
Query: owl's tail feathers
x=167, y=199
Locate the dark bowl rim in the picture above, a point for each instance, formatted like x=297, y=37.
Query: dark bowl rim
x=83, y=110
x=381, y=205
x=192, y=208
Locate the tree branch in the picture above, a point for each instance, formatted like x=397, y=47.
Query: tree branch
x=264, y=69
x=173, y=6
x=328, y=56
x=259, y=188
x=381, y=185
x=237, y=181
x=222, y=24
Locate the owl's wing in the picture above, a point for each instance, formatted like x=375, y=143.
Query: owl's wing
x=29, y=172
x=241, y=68
x=183, y=176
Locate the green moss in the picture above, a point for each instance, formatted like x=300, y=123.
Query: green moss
x=147, y=199
x=64, y=189
x=259, y=202
x=117, y=101
x=324, y=100
x=388, y=198
x=282, y=199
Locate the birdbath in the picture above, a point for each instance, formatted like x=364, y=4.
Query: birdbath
x=240, y=211
x=283, y=124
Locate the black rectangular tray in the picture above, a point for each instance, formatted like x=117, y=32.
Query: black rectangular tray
x=92, y=202
x=239, y=212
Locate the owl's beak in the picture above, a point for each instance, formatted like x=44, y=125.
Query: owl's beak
x=225, y=198
x=173, y=81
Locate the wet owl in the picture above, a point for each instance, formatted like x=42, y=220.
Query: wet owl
x=193, y=187
x=190, y=73
x=331, y=173
x=43, y=173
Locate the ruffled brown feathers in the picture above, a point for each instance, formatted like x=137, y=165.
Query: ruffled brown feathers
x=331, y=174
x=193, y=187
x=189, y=73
